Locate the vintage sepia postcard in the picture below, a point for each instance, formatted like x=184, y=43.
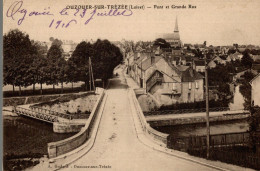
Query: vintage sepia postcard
x=131, y=85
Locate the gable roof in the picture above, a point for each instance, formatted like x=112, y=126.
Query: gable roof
x=182, y=67
x=190, y=75
x=199, y=62
x=147, y=63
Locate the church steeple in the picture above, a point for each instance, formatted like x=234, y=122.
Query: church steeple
x=176, y=41
x=176, y=29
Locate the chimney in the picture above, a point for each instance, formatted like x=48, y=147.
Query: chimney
x=152, y=59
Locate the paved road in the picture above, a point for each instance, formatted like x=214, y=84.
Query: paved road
x=117, y=145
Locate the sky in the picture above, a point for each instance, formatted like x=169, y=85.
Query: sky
x=219, y=22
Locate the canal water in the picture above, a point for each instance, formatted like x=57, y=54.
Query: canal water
x=237, y=103
x=200, y=129
x=238, y=100
x=24, y=137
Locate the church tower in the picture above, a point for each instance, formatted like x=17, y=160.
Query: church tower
x=176, y=41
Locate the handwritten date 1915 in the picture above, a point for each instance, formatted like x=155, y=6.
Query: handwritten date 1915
x=62, y=24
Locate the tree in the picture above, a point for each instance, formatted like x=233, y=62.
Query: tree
x=246, y=60
x=18, y=55
x=70, y=72
x=106, y=57
x=41, y=49
x=79, y=61
x=38, y=71
x=57, y=42
x=245, y=88
x=162, y=43
x=220, y=78
x=55, y=65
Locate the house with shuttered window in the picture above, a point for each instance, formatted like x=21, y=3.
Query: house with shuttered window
x=168, y=83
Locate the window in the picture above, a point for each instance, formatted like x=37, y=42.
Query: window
x=174, y=86
x=189, y=97
x=196, y=85
x=189, y=85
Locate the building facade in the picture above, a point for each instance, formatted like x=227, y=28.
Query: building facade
x=255, y=92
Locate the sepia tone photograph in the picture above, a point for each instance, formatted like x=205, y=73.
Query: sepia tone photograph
x=138, y=85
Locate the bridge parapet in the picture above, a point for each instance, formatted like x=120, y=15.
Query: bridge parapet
x=62, y=147
x=156, y=136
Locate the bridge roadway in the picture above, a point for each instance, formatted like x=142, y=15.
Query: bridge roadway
x=117, y=145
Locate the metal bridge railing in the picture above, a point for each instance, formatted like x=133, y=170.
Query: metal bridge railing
x=37, y=115
x=50, y=112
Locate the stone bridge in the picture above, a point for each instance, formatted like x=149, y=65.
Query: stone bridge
x=118, y=137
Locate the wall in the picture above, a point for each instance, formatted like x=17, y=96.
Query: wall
x=64, y=146
x=31, y=99
x=156, y=136
x=59, y=127
x=200, y=68
x=256, y=91
x=196, y=120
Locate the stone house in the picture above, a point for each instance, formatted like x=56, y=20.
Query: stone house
x=199, y=65
x=167, y=83
x=234, y=57
x=219, y=60
x=256, y=58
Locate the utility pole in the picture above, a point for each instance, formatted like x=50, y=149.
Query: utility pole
x=93, y=81
x=207, y=105
x=89, y=73
x=141, y=81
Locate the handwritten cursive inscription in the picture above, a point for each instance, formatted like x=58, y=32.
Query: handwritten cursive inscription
x=16, y=11
x=16, y=8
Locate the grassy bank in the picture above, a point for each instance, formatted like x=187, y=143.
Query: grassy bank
x=238, y=155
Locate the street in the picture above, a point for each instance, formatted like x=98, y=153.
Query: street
x=117, y=146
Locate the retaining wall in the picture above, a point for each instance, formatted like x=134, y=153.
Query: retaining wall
x=64, y=146
x=197, y=120
x=158, y=137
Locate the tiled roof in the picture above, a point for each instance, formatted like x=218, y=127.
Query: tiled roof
x=188, y=58
x=199, y=62
x=190, y=75
x=182, y=67
x=147, y=63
